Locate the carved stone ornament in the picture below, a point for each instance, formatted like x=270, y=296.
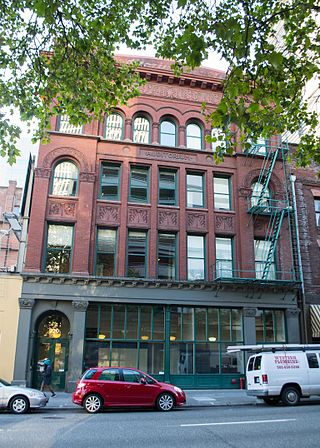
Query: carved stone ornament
x=224, y=224
x=168, y=219
x=80, y=305
x=180, y=93
x=62, y=209
x=64, y=153
x=42, y=172
x=87, y=177
x=197, y=221
x=108, y=214
x=157, y=154
x=249, y=312
x=139, y=217
x=26, y=303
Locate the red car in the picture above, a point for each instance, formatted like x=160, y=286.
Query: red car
x=122, y=386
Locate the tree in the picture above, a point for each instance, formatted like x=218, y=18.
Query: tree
x=57, y=57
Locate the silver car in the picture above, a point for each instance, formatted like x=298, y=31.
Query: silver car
x=20, y=399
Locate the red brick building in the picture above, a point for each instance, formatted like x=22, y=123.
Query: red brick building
x=10, y=200
x=144, y=252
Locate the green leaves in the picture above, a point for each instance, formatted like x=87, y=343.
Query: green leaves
x=58, y=58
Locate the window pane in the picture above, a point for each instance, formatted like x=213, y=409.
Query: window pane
x=166, y=256
x=167, y=187
x=132, y=322
x=167, y=133
x=181, y=358
x=158, y=322
x=225, y=324
x=231, y=362
x=106, y=250
x=259, y=326
x=261, y=250
x=201, y=324
x=131, y=376
x=59, y=242
x=145, y=322
x=194, y=137
x=280, y=326
x=65, y=126
x=195, y=257
x=137, y=245
x=213, y=328
x=65, y=179
x=188, y=324
x=92, y=321
x=110, y=181
x=221, y=193
x=195, y=269
x=124, y=354
x=151, y=357
x=257, y=188
x=207, y=358
x=118, y=321
x=139, y=180
x=59, y=236
x=109, y=375
x=237, y=333
x=141, y=130
x=195, y=190
x=114, y=127
x=96, y=353
x=105, y=322
x=269, y=326
x=175, y=323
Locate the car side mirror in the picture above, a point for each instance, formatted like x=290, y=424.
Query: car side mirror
x=143, y=381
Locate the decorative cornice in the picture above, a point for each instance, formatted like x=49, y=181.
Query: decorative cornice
x=26, y=303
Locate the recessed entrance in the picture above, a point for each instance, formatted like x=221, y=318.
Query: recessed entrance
x=52, y=342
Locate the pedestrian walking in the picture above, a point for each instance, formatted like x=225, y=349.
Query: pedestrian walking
x=47, y=377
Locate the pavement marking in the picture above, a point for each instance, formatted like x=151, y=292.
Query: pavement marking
x=204, y=399
x=247, y=422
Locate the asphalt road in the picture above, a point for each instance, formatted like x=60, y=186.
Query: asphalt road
x=221, y=427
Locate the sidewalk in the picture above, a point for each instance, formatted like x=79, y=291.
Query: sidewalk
x=196, y=398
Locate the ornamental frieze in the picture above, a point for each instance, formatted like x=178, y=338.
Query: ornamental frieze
x=180, y=93
x=138, y=217
x=61, y=209
x=168, y=219
x=168, y=155
x=224, y=224
x=108, y=214
x=197, y=221
x=42, y=172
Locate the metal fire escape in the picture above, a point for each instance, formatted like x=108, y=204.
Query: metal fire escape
x=262, y=204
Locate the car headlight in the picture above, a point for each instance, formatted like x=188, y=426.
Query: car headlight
x=177, y=389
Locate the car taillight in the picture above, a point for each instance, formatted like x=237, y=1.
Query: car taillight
x=264, y=379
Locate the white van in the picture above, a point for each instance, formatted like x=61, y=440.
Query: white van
x=282, y=372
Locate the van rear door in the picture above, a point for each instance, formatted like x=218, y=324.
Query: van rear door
x=254, y=372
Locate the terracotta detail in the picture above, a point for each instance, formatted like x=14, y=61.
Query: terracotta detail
x=42, y=172
x=87, y=177
x=138, y=217
x=108, y=214
x=197, y=221
x=65, y=152
x=155, y=153
x=180, y=93
x=62, y=209
x=224, y=224
x=168, y=219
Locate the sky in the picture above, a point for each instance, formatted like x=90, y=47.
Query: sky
x=18, y=171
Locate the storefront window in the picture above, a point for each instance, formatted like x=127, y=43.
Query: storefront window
x=270, y=326
x=181, y=358
x=207, y=358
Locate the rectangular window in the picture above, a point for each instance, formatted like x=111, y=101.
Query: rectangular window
x=195, y=247
x=317, y=210
x=224, y=257
x=139, y=184
x=261, y=251
x=106, y=252
x=59, y=248
x=270, y=326
x=167, y=187
x=137, y=254
x=110, y=181
x=222, y=196
x=195, y=190
x=64, y=125
x=167, y=256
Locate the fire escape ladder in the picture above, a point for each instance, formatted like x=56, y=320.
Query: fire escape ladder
x=273, y=236
x=266, y=172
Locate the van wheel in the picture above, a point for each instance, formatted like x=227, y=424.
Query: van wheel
x=271, y=400
x=290, y=396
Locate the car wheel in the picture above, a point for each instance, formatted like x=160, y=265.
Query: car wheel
x=92, y=403
x=269, y=400
x=290, y=396
x=165, y=402
x=19, y=405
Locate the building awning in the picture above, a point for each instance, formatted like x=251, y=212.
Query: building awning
x=315, y=320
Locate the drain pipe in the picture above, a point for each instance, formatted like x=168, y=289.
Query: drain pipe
x=295, y=214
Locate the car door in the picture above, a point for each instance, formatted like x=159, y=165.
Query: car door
x=110, y=387
x=313, y=373
x=137, y=393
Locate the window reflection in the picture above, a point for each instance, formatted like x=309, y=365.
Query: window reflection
x=65, y=179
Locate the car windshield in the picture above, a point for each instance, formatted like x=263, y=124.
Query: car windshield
x=4, y=382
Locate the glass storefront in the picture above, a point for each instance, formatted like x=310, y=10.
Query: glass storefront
x=164, y=341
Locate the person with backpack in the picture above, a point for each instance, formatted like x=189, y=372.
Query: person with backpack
x=47, y=377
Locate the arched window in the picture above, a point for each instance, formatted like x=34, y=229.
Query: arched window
x=257, y=188
x=65, y=126
x=114, y=127
x=194, y=136
x=65, y=179
x=168, y=134
x=218, y=134
x=141, y=130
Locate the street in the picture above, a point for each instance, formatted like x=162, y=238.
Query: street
x=222, y=427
